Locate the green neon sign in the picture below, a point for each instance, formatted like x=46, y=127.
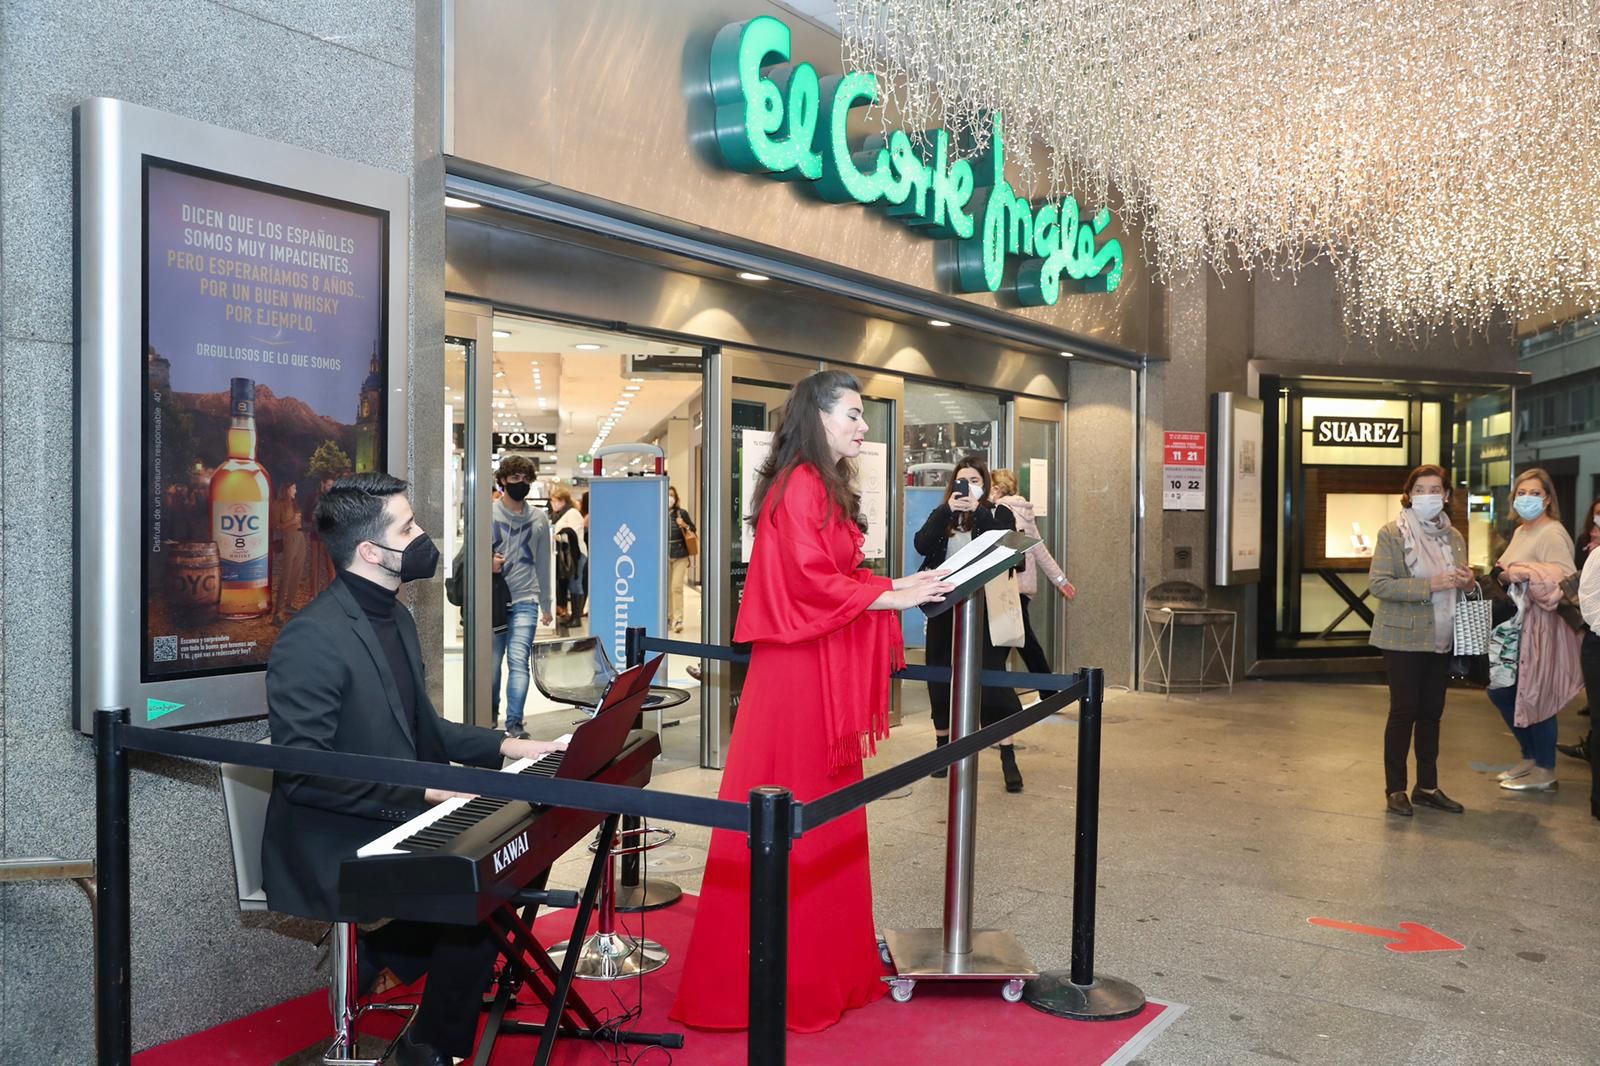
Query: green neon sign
x=782, y=120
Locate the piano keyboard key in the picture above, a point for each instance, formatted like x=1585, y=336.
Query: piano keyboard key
x=441, y=823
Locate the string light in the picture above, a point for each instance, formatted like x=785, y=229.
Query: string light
x=1444, y=157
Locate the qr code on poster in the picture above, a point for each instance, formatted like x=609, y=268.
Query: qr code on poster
x=166, y=650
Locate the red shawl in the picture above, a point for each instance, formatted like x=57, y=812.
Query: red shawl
x=807, y=585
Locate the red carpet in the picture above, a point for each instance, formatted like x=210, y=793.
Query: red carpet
x=950, y=1023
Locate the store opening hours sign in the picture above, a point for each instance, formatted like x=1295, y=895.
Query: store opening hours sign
x=1183, y=472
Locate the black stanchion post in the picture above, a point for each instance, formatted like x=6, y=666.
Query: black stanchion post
x=1080, y=993
x=633, y=645
x=769, y=923
x=113, y=948
x=1086, y=853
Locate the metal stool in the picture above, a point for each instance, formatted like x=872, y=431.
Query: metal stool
x=347, y=1047
x=610, y=955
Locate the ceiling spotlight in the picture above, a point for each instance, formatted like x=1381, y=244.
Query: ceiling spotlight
x=456, y=201
x=637, y=381
x=499, y=373
x=938, y=323
x=631, y=388
x=1069, y=355
x=502, y=333
x=750, y=275
x=588, y=347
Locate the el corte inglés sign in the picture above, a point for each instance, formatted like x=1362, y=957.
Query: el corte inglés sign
x=782, y=120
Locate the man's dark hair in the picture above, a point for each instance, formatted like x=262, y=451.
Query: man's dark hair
x=516, y=464
x=353, y=511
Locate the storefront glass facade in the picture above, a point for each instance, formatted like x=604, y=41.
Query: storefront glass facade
x=1338, y=453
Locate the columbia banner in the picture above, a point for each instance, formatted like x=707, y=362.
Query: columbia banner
x=627, y=559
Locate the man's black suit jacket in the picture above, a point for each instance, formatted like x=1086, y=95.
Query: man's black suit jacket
x=329, y=688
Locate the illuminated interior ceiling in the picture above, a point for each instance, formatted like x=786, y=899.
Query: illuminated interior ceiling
x=1444, y=156
x=574, y=382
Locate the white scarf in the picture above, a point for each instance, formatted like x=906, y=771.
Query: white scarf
x=1429, y=553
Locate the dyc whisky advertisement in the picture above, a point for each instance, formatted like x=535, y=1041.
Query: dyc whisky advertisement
x=264, y=355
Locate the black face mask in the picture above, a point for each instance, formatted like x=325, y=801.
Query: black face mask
x=518, y=490
x=419, y=560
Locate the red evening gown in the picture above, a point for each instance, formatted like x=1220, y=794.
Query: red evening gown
x=814, y=702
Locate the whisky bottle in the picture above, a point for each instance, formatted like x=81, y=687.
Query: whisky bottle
x=241, y=499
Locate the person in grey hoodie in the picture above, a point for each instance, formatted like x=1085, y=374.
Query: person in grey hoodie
x=1038, y=558
x=522, y=540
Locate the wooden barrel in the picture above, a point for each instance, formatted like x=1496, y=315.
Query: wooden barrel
x=194, y=574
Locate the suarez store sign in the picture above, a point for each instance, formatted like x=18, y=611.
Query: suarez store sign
x=792, y=125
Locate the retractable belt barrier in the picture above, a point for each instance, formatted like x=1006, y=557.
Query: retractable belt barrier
x=771, y=820
x=936, y=674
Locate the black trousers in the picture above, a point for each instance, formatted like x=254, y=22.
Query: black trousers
x=1416, y=703
x=1589, y=656
x=459, y=962
x=995, y=704
x=1033, y=656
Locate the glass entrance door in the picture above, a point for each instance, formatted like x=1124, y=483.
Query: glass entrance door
x=465, y=536
x=1039, y=467
x=749, y=391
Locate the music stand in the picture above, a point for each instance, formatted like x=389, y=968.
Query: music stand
x=957, y=951
x=527, y=961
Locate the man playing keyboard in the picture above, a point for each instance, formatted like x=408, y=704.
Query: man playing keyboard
x=346, y=675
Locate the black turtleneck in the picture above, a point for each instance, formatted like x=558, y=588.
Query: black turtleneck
x=378, y=604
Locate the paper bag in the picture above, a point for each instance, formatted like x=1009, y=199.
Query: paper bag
x=1004, y=605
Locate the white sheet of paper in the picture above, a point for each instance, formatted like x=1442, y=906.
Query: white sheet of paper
x=757, y=446
x=978, y=547
x=1039, y=486
x=989, y=558
x=872, y=471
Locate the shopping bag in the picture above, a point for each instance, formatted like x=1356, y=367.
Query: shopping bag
x=1474, y=620
x=691, y=542
x=1004, y=605
x=1505, y=644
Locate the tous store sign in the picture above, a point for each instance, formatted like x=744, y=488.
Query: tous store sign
x=784, y=121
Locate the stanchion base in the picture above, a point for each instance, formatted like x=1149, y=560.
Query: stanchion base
x=1107, y=999
x=613, y=957
x=367, y=1049
x=657, y=894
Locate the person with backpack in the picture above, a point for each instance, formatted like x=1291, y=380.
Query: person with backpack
x=522, y=540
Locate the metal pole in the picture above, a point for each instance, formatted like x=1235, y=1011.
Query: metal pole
x=633, y=643
x=631, y=896
x=1086, y=855
x=966, y=691
x=1081, y=994
x=113, y=949
x=769, y=923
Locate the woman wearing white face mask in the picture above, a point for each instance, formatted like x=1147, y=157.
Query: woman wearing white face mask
x=1417, y=576
x=1539, y=559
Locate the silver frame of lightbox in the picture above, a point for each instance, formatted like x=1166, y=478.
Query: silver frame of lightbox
x=114, y=138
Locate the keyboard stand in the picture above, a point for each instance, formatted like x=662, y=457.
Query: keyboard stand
x=566, y=1012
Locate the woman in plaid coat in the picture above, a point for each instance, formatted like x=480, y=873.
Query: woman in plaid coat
x=1418, y=572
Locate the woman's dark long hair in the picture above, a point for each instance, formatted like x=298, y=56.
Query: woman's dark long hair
x=959, y=521
x=800, y=439
x=1587, y=535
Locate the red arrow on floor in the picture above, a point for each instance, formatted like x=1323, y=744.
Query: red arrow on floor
x=1410, y=937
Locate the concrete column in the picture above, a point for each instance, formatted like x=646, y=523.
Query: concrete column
x=1101, y=497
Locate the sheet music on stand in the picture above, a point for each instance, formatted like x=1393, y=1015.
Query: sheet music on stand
x=974, y=565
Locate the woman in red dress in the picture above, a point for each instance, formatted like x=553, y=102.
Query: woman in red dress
x=825, y=635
